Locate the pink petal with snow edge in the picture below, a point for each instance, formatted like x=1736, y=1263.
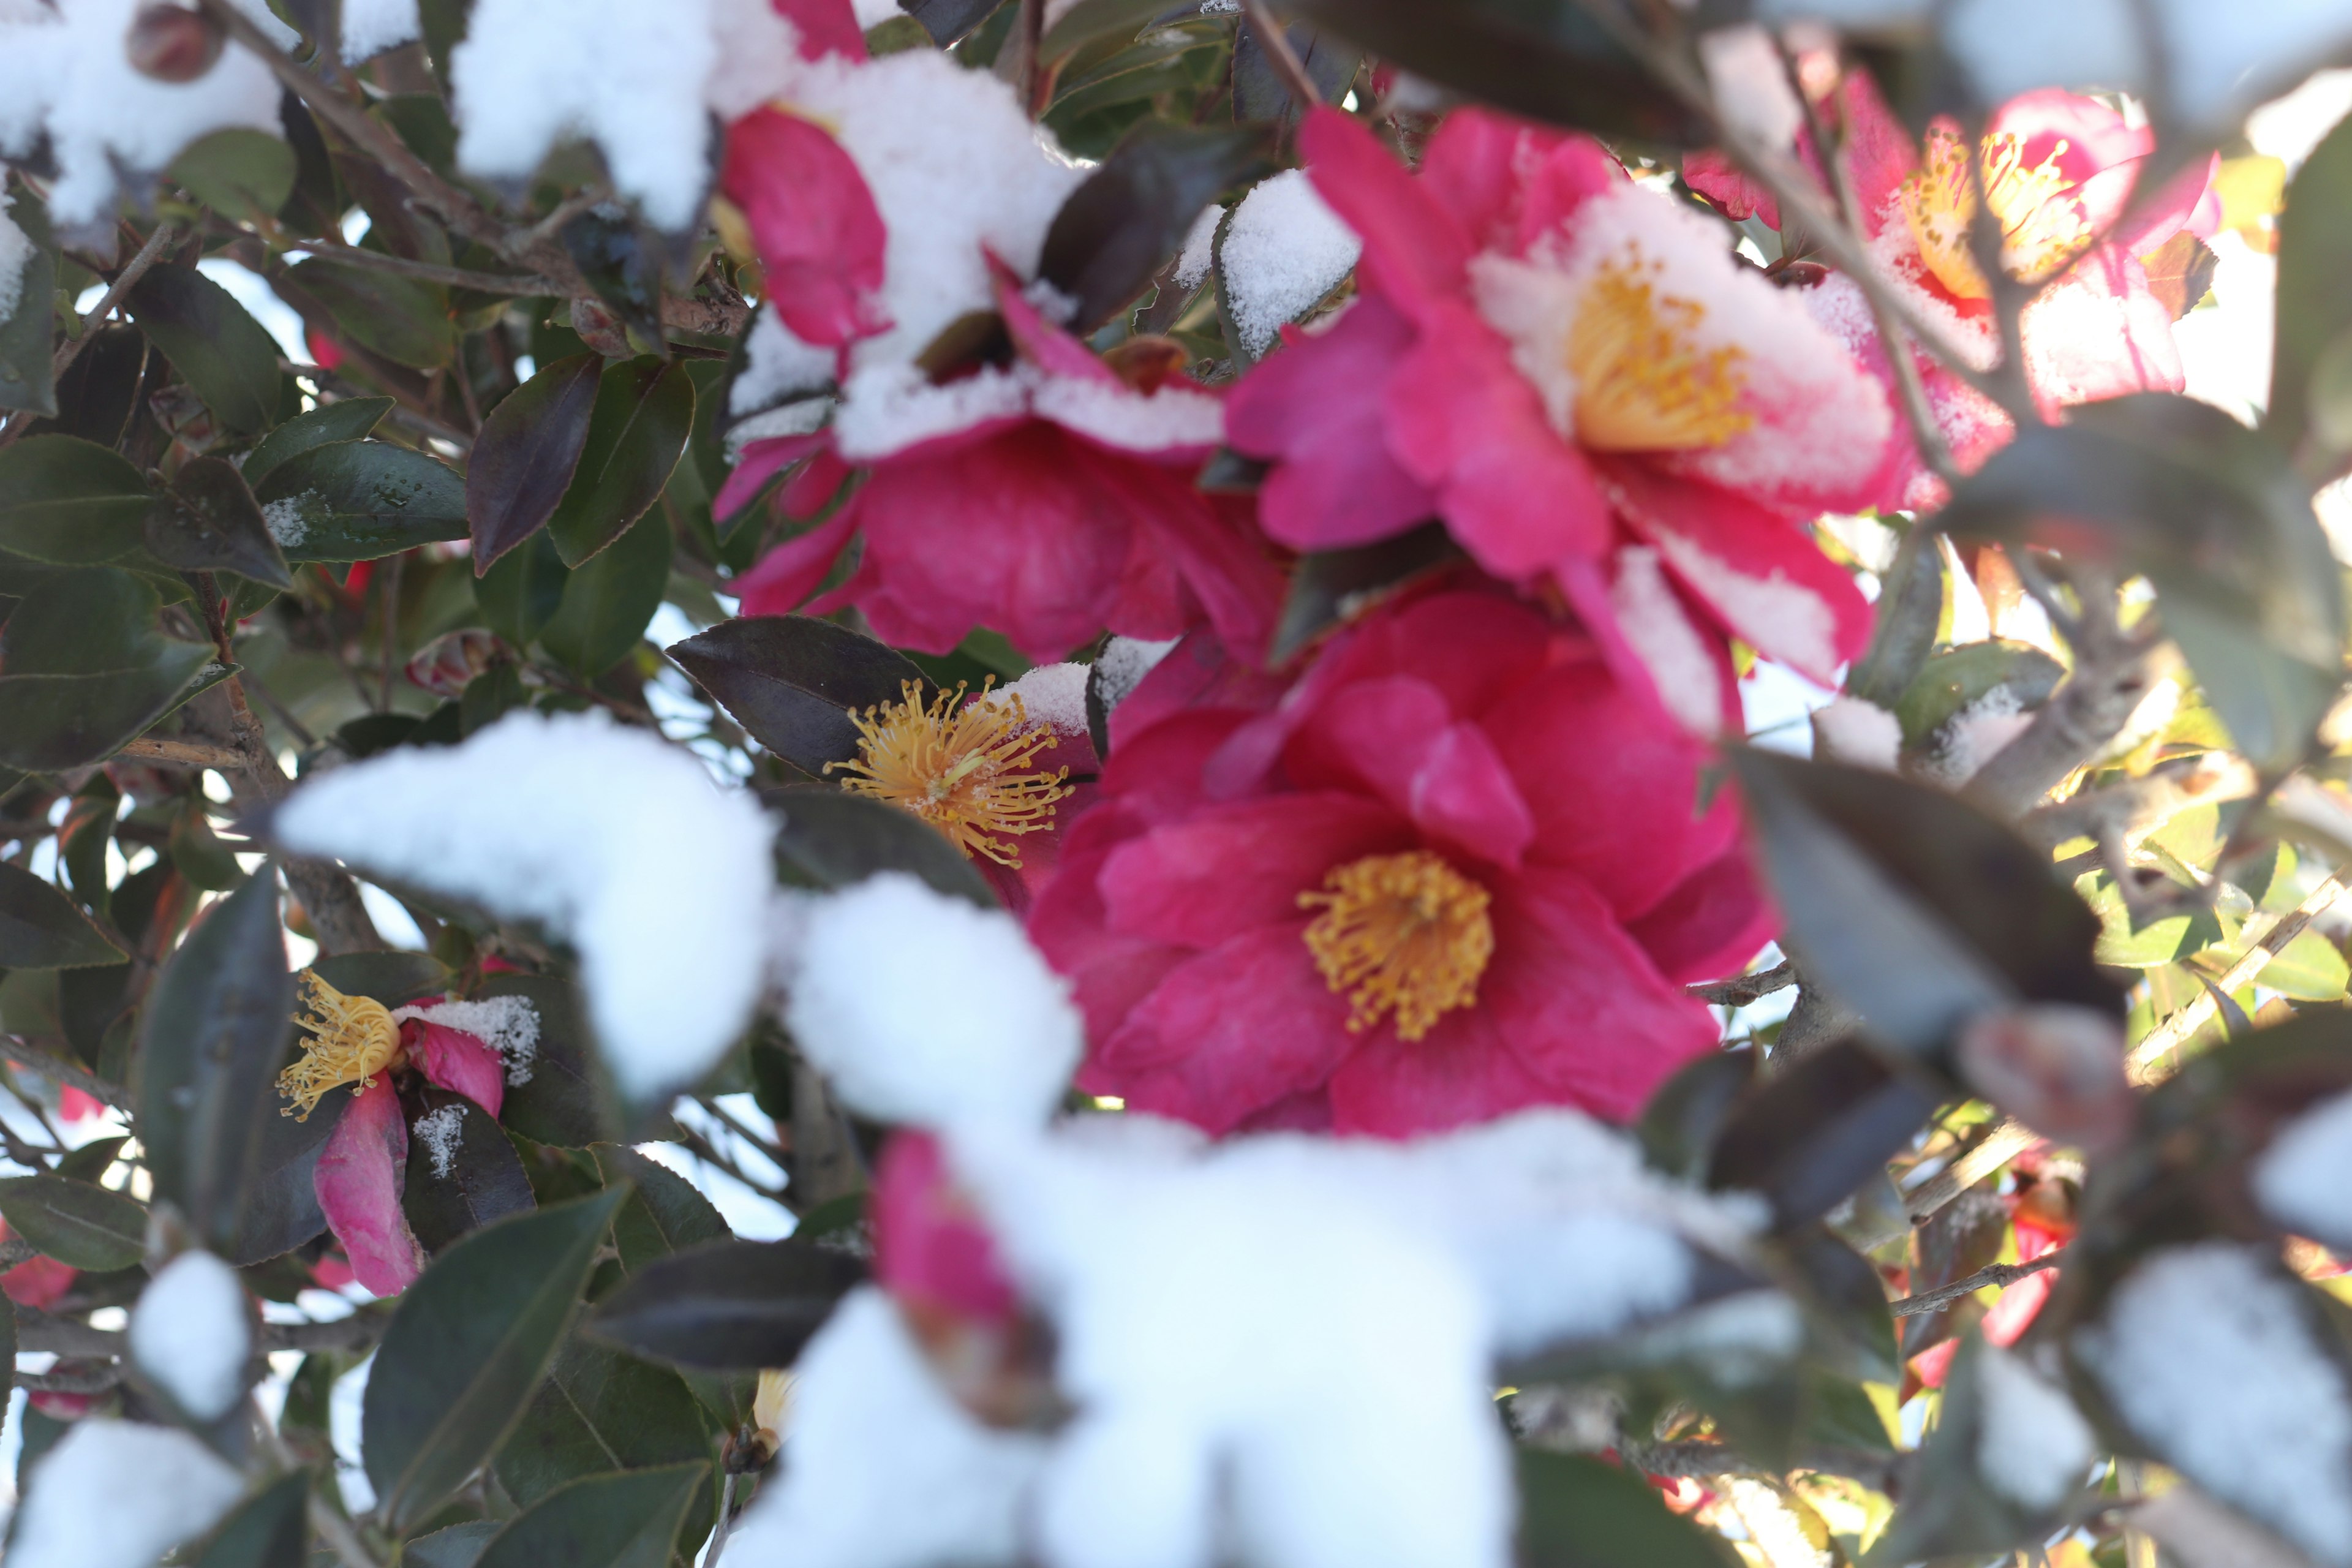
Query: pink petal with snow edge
x=359, y=1179
x=456, y=1060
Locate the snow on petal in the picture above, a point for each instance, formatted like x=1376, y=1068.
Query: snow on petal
x=1284, y=249
x=2032, y=1445
x=1669, y=647
x=612, y=837
x=1857, y=731
x=1777, y=612
x=508, y=1025
x=192, y=1334
x=116, y=1494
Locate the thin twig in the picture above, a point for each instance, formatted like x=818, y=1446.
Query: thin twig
x=188, y=753
x=2001, y=1274
x=163, y=238
x=726, y=1518
x=339, y=1533
x=2002, y=1145
x=1742, y=989
x=2147, y=1063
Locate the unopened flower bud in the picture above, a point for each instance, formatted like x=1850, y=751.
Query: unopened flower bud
x=2058, y=1069
x=170, y=43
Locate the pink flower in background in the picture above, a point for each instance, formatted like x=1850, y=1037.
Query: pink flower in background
x=38, y=1282
x=1580, y=379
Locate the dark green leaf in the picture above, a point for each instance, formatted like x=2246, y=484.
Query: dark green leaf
x=74, y=1222
x=625, y=1520
x=1952, y=1512
x=643, y=415
x=1577, y=1511
x=26, y=359
x=2315, y=318
x=466, y=1347
x=1812, y=1133
x=215, y=345
x=1132, y=214
x=525, y=457
x=1914, y=907
x=1091, y=20
x=82, y=670
x=600, y=1411
x=70, y=502
x=459, y=1546
x=950, y=21
x=391, y=978
x=791, y=682
x=91, y=1161
x=209, y=522
x=7, y=1346
x=1259, y=91
x=357, y=500
x=565, y=1101
x=1328, y=584
x=664, y=1214
x=617, y=263
x=281, y=1206
x=350, y=420
x=522, y=592
x=458, y=1179
x=218, y=1029
x=731, y=1304
x=1685, y=1115
x=834, y=839
x=608, y=601
x=1951, y=680
x=100, y=391
x=397, y=318
x=268, y=1530
x=1910, y=607
x=41, y=929
x=2181, y=272
x=240, y=172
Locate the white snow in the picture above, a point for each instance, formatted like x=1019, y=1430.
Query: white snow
x=441, y=1132
x=16, y=250
x=612, y=837
x=1663, y=637
x=192, y=1334
x=1751, y=84
x=925, y=1009
x=1175, y=415
x=1975, y=735
x=802, y=418
x=2032, y=1445
x=1199, y=250
x=113, y=1494
x=2303, y=1180
x=1775, y=612
x=778, y=367
x=2209, y=1355
x=1122, y=665
x=2290, y=126
x=372, y=27
x=1284, y=251
x=1737, y=1340
x=1051, y=694
x=67, y=74
x=286, y=520
x=1857, y=731
x=508, y=1025
x=872, y=14
x=887, y=407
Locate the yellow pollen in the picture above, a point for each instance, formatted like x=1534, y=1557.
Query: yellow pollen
x=352, y=1040
x=964, y=769
x=1642, y=382
x=2041, y=229
x=1408, y=932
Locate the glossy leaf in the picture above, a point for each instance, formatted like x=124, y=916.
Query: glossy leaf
x=209, y=522
x=638, y=431
x=352, y=419
x=76, y=1223
x=218, y=1030
x=41, y=929
x=665, y=1214
x=459, y=1179
x=950, y=21
x=834, y=839
x=100, y=391
x=27, y=362
x=791, y=682
x=565, y=1101
x=239, y=173
x=1910, y=607
x=2181, y=272
x=2315, y=318
x=83, y=671
x=270, y=1530
x=1133, y=213
x=1814, y=1132
x=627, y=1520
x=217, y=347
x=280, y=1211
x=1328, y=584
x=467, y=1346
x=521, y=594
x=360, y=501
x=732, y=1304
x=601, y=1411
x=1950, y=681
x=1579, y=1511
x=608, y=601
x=395, y=318
x=526, y=455
x=1259, y=91
x=70, y=502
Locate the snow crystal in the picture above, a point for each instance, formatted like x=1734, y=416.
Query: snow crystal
x=1053, y=694
x=191, y=1333
x=441, y=1132
x=66, y=74
x=881, y=1469
x=2032, y=1445
x=1775, y=611
x=1854, y=729
x=115, y=1494
x=885, y=408
x=508, y=1025
x=1751, y=84
x=1669, y=647
x=1975, y=735
x=610, y=836
x=2303, y=1180
x=1173, y=416
x=285, y=520
x=922, y=1007
x=16, y=250
x=1200, y=251
x=778, y=367
x=1283, y=250
x=372, y=27
x=1123, y=663
x=2207, y=1353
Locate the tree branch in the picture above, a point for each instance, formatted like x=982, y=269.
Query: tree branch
x=1742, y=989
x=2137, y=807
x=2113, y=674
x=2147, y=1063
x=2000, y=1146
x=2003, y=1274
x=188, y=753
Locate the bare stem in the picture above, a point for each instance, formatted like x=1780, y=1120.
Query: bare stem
x=2002, y=1274
x=2149, y=1061
x=2000, y=1146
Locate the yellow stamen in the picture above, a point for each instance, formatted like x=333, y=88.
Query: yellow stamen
x=352, y=1040
x=964, y=769
x=1642, y=382
x=2041, y=229
x=1408, y=932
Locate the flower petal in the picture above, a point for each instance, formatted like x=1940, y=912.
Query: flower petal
x=1710, y=924
x=1459, y=1072
x=360, y=1175
x=1227, y=869
x=1396, y=737
x=760, y=462
x=789, y=574
x=820, y=236
x=1414, y=251
x=457, y=1061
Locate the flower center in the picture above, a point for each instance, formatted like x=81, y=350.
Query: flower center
x=964, y=769
x=1408, y=932
x=352, y=1040
x=1642, y=385
x=2041, y=231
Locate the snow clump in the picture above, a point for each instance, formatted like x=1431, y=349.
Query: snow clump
x=191, y=1333
x=117, y=1494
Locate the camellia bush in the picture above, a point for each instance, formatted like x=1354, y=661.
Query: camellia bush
x=1242, y=783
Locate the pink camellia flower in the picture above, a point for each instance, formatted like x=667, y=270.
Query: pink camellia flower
x=2060, y=172
x=1047, y=496
x=1460, y=870
x=354, y=1040
x=1586, y=383
x=37, y=1282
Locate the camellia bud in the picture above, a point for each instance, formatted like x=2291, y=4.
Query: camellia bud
x=2056, y=1067
x=172, y=43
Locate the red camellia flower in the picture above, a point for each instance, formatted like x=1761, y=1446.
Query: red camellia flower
x=1582, y=379
x=2059, y=173
x=1459, y=869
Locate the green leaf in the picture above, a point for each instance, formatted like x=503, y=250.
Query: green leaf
x=2309, y=969
x=74, y=1222
x=27, y=359
x=100, y=391
x=664, y=1214
x=2308, y=412
x=730, y=1304
x=1950, y=681
x=1133, y=213
x=349, y=420
x=1575, y=1512
x=41, y=929
x=792, y=681
x=359, y=500
x=600, y=1411
x=473, y=1181
x=1259, y=91
x=397, y=318
x=217, y=1031
x=834, y=839
x=70, y=502
x=241, y=174
x=638, y=429
x=467, y=1346
x=522, y=592
x=1814, y=1132
x=458, y=1546
x=1910, y=607
x=280, y=1211
x=626, y=1521
x=608, y=601
x=525, y=457
x=1330, y=585
x=7, y=1346
x=391, y=978
x=208, y=521
x=82, y=670
x=566, y=1100
x=1953, y=1512
x=270, y=1530
x=216, y=346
